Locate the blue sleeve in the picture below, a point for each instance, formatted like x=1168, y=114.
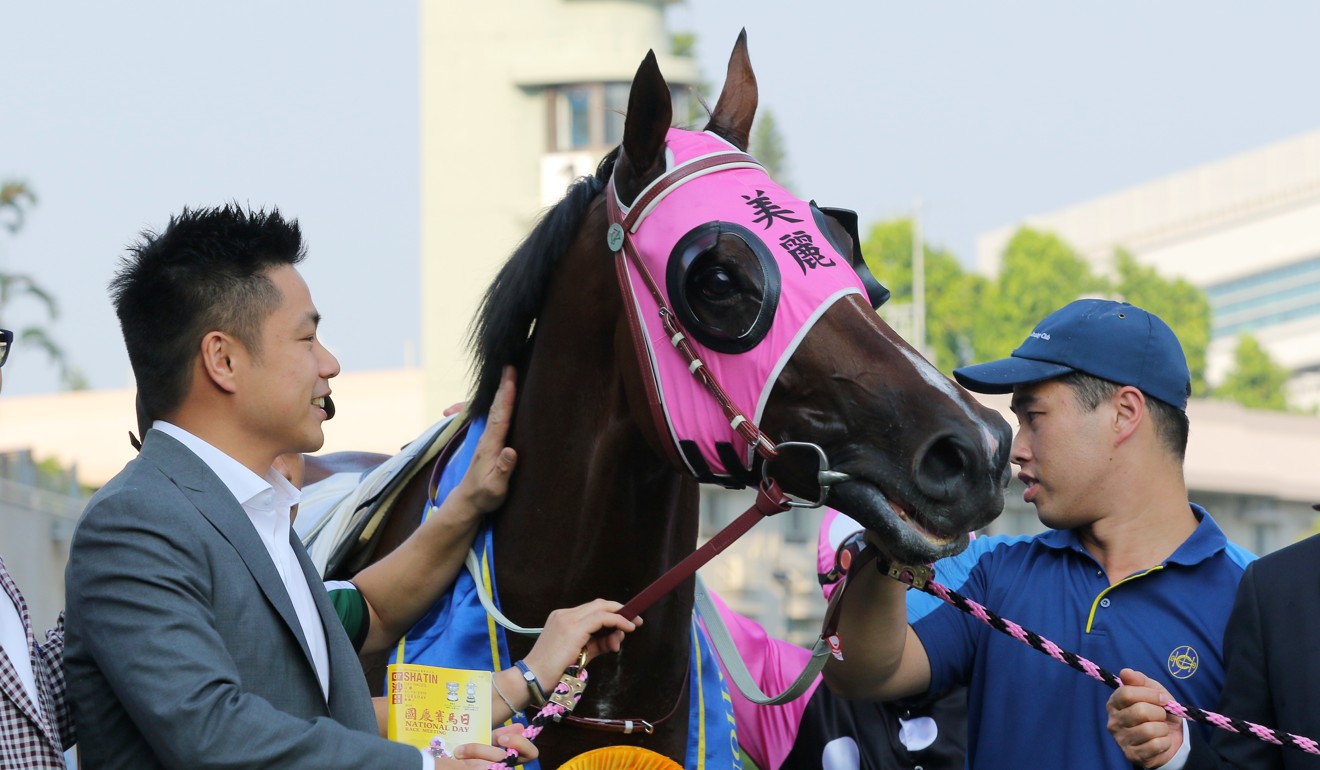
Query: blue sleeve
x=949, y=635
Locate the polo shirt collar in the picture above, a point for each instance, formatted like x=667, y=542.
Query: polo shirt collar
x=1205, y=541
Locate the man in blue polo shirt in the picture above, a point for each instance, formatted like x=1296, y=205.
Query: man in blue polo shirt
x=1130, y=574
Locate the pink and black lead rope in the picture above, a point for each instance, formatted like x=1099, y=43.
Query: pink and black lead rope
x=919, y=578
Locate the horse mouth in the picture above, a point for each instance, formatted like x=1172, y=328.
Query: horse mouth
x=907, y=534
x=914, y=520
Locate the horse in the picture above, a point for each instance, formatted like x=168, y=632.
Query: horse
x=605, y=496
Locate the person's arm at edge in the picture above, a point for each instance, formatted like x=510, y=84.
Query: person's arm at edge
x=400, y=588
x=52, y=663
x=883, y=659
x=1257, y=623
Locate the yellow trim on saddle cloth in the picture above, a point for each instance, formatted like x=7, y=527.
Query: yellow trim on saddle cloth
x=701, y=700
x=491, y=628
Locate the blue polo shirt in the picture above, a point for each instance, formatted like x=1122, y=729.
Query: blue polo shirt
x=1026, y=709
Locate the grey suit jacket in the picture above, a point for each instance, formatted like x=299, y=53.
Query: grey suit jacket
x=183, y=648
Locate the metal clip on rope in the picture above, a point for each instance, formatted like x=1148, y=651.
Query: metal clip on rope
x=916, y=577
x=570, y=692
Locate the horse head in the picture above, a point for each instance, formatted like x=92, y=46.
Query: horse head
x=772, y=296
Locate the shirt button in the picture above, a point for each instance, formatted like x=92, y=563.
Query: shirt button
x=1104, y=602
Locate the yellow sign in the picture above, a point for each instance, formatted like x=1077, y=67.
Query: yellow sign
x=432, y=706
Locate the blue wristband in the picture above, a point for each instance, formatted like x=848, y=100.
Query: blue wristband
x=533, y=684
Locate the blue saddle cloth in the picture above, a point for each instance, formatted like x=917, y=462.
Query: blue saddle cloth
x=457, y=633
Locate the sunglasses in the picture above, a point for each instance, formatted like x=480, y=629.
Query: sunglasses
x=6, y=342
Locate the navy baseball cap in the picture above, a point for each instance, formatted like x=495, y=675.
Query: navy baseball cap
x=1111, y=340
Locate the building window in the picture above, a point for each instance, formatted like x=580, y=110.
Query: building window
x=616, y=104
x=590, y=116
x=572, y=124
x=1265, y=299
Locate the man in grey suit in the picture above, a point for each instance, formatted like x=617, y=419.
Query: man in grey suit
x=198, y=633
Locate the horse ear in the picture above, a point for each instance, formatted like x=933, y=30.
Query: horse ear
x=732, y=118
x=649, y=114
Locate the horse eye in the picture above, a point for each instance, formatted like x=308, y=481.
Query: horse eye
x=716, y=283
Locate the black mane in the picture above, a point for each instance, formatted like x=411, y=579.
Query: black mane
x=501, y=332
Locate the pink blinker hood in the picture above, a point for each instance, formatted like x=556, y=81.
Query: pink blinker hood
x=812, y=276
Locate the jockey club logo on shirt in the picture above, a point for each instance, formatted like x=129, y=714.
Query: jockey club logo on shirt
x=1183, y=662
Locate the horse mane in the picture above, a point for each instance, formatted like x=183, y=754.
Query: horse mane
x=501, y=334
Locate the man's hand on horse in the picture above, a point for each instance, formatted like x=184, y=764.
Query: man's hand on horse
x=480, y=755
x=568, y=631
x=487, y=480
x=1148, y=735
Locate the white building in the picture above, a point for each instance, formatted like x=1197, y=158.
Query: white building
x=1246, y=229
x=517, y=101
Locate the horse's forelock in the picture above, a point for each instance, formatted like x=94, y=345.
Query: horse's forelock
x=501, y=332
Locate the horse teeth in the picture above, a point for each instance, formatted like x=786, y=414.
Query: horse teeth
x=938, y=538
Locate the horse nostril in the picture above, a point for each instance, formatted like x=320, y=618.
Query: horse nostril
x=943, y=466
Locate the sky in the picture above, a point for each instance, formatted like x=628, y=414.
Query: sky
x=984, y=112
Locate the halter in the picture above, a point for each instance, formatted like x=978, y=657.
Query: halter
x=667, y=227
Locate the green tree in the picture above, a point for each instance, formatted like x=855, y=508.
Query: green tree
x=768, y=147
x=970, y=318
x=1184, y=307
x=14, y=197
x=951, y=294
x=1040, y=273
x=1255, y=381
x=691, y=111
x=683, y=44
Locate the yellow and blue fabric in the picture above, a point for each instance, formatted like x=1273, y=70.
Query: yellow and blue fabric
x=457, y=633
x=1027, y=710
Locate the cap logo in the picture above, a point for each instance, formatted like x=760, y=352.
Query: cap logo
x=1041, y=336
